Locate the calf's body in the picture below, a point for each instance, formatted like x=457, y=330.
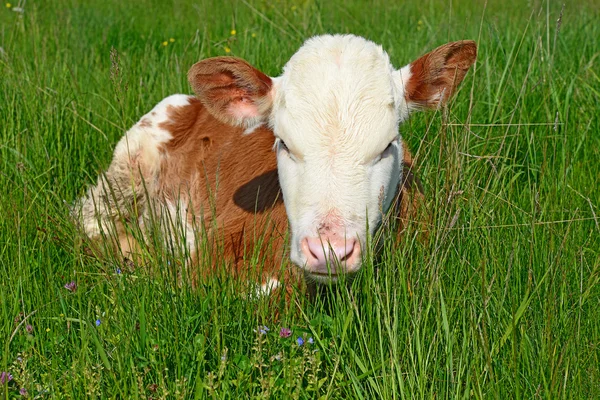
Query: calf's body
x=210, y=179
x=314, y=153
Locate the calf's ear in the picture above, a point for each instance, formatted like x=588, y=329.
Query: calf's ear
x=431, y=80
x=232, y=90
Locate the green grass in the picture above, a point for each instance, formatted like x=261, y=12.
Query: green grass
x=502, y=301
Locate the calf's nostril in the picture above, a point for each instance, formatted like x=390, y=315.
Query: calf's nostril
x=312, y=253
x=313, y=250
x=348, y=255
x=345, y=251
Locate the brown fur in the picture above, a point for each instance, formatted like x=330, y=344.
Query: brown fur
x=442, y=69
x=231, y=181
x=221, y=82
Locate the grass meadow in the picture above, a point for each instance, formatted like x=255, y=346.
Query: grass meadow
x=502, y=301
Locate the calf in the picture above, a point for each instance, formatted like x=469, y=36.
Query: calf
x=314, y=153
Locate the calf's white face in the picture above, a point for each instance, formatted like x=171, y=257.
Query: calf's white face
x=334, y=112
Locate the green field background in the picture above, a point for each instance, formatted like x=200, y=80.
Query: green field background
x=501, y=302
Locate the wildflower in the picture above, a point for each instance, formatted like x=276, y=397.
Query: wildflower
x=98, y=322
x=5, y=377
x=262, y=330
x=23, y=392
x=165, y=43
x=299, y=341
x=285, y=332
x=233, y=32
x=310, y=340
x=118, y=271
x=253, y=34
x=47, y=329
x=8, y=5
x=71, y=286
x=227, y=49
x=29, y=328
x=172, y=40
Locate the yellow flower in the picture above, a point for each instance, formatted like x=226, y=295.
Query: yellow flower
x=165, y=43
x=171, y=40
x=62, y=315
x=233, y=32
x=47, y=329
x=227, y=49
x=254, y=35
x=8, y=5
x=420, y=22
x=294, y=8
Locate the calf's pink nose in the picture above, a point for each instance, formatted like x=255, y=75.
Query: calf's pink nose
x=319, y=250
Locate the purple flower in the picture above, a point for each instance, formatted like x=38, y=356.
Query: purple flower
x=5, y=377
x=71, y=286
x=29, y=328
x=118, y=270
x=23, y=392
x=300, y=341
x=310, y=340
x=285, y=332
x=98, y=322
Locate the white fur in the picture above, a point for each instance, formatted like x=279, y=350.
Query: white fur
x=268, y=287
x=137, y=149
x=263, y=290
x=336, y=107
x=179, y=226
x=146, y=139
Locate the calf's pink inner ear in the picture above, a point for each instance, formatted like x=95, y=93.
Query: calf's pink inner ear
x=435, y=76
x=232, y=90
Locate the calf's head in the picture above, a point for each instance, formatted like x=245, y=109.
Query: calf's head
x=334, y=113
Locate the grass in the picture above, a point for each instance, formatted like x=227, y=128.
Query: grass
x=503, y=301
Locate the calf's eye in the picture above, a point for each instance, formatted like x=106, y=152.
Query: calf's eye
x=283, y=146
x=388, y=148
x=385, y=153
